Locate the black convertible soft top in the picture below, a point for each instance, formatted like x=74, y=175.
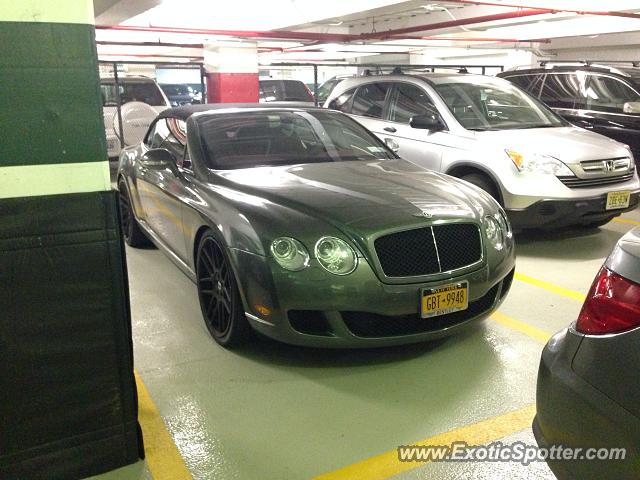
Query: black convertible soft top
x=186, y=111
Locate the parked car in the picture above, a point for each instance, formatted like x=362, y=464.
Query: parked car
x=181, y=94
x=588, y=390
x=300, y=223
x=544, y=171
x=601, y=98
x=285, y=91
x=141, y=99
x=327, y=87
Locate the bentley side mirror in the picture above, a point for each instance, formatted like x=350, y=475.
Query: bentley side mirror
x=427, y=122
x=631, y=107
x=160, y=159
x=392, y=144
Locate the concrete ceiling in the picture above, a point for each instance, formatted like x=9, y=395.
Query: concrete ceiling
x=113, y=12
x=359, y=17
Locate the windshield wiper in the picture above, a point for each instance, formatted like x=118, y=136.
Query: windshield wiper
x=524, y=127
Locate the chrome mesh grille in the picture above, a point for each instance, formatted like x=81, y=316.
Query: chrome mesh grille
x=429, y=250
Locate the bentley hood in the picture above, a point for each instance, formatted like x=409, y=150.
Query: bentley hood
x=364, y=196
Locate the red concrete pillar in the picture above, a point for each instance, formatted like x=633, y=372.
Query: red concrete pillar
x=232, y=72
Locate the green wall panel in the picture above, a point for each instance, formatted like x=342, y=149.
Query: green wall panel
x=50, y=94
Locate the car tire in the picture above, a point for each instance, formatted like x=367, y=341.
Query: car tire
x=483, y=182
x=218, y=293
x=133, y=234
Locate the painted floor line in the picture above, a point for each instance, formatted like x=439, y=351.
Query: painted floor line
x=529, y=330
x=162, y=456
x=626, y=220
x=387, y=465
x=550, y=287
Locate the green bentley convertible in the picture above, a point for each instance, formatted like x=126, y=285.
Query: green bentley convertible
x=299, y=223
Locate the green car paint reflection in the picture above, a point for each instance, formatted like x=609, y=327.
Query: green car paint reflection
x=299, y=223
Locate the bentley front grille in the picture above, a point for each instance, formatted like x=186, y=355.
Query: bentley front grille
x=429, y=250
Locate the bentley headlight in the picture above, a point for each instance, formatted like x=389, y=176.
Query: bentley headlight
x=336, y=256
x=494, y=232
x=290, y=254
x=504, y=223
x=539, y=163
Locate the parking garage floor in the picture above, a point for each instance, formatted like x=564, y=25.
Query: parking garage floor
x=271, y=411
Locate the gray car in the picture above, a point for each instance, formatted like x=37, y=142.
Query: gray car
x=300, y=223
x=588, y=389
x=544, y=171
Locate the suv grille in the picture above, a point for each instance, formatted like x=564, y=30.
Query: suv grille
x=429, y=250
x=574, y=182
x=619, y=164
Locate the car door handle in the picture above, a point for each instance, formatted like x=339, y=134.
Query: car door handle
x=390, y=129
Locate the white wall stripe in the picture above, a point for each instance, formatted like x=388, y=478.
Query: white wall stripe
x=54, y=179
x=53, y=11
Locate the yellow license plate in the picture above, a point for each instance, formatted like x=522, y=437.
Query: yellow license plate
x=443, y=300
x=616, y=200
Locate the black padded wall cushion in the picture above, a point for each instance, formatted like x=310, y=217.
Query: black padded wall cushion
x=68, y=405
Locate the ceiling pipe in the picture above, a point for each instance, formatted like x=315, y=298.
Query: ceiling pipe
x=151, y=44
x=150, y=55
x=548, y=10
x=396, y=34
x=270, y=34
x=452, y=23
x=474, y=39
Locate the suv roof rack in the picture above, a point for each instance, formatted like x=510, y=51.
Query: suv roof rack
x=591, y=63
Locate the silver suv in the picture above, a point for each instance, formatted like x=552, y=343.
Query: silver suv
x=546, y=172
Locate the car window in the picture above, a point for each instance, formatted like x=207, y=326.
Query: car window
x=146, y=92
x=495, y=105
x=170, y=133
x=369, y=100
x=272, y=138
x=157, y=134
x=343, y=102
x=531, y=83
x=408, y=101
x=608, y=94
x=326, y=88
x=562, y=90
x=284, y=90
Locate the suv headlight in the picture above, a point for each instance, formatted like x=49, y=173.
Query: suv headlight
x=336, y=256
x=494, y=232
x=632, y=160
x=539, y=163
x=290, y=254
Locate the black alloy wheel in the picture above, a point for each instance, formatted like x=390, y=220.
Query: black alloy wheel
x=133, y=234
x=220, y=300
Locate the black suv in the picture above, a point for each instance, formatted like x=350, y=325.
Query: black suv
x=601, y=98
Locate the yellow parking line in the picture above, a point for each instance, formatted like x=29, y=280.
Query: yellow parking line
x=626, y=220
x=162, y=456
x=529, y=330
x=565, y=292
x=387, y=465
